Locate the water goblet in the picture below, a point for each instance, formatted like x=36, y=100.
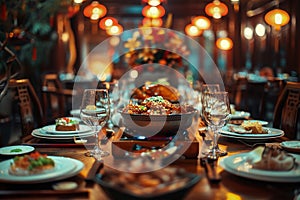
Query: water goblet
x=216, y=113
x=94, y=112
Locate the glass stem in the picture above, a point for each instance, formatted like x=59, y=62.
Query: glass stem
x=96, y=138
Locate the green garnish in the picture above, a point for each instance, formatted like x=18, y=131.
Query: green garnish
x=15, y=150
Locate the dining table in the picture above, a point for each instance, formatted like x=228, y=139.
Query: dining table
x=227, y=187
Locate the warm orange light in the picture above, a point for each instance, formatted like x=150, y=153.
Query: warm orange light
x=216, y=9
x=107, y=22
x=277, y=18
x=192, y=30
x=201, y=22
x=95, y=10
x=224, y=43
x=157, y=22
x=153, y=11
x=115, y=30
x=153, y=2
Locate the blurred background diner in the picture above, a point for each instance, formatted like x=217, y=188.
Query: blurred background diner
x=254, y=44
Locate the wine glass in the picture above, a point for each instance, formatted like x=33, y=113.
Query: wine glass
x=212, y=88
x=94, y=112
x=216, y=113
x=113, y=92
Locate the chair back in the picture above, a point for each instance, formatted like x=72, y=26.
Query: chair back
x=286, y=112
x=30, y=109
x=54, y=98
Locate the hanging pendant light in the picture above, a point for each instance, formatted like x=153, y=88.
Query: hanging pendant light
x=116, y=29
x=192, y=30
x=277, y=18
x=224, y=43
x=216, y=9
x=107, y=22
x=153, y=11
x=95, y=10
x=201, y=22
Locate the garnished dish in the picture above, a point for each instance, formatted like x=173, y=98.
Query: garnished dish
x=66, y=124
x=169, y=182
x=157, y=105
x=167, y=92
x=33, y=163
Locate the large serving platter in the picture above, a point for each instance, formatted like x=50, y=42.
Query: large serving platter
x=271, y=133
x=239, y=165
x=64, y=168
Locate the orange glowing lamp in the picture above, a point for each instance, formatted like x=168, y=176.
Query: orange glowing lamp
x=116, y=29
x=216, y=9
x=107, y=22
x=153, y=11
x=192, y=30
x=224, y=43
x=95, y=10
x=201, y=22
x=277, y=18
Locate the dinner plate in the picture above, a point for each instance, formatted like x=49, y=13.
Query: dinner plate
x=45, y=135
x=16, y=150
x=51, y=130
x=293, y=146
x=64, y=168
x=272, y=133
x=238, y=164
x=239, y=114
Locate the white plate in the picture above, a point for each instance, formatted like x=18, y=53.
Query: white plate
x=20, y=149
x=239, y=114
x=51, y=130
x=64, y=168
x=237, y=164
x=272, y=133
x=292, y=145
x=44, y=135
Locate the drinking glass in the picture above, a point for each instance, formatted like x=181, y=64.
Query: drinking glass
x=114, y=95
x=216, y=113
x=212, y=88
x=94, y=112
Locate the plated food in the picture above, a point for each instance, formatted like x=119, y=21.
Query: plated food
x=157, y=105
x=264, y=163
x=33, y=163
x=167, y=92
x=166, y=183
x=272, y=158
x=66, y=124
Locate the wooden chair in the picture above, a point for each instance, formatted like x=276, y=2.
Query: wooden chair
x=286, y=112
x=29, y=106
x=56, y=99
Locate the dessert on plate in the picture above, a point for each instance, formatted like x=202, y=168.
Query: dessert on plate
x=66, y=124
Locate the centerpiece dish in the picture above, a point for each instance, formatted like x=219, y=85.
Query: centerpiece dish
x=157, y=116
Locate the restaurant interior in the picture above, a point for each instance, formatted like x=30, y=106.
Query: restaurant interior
x=162, y=135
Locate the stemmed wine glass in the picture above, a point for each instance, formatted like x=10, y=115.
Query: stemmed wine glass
x=216, y=113
x=95, y=111
x=212, y=88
